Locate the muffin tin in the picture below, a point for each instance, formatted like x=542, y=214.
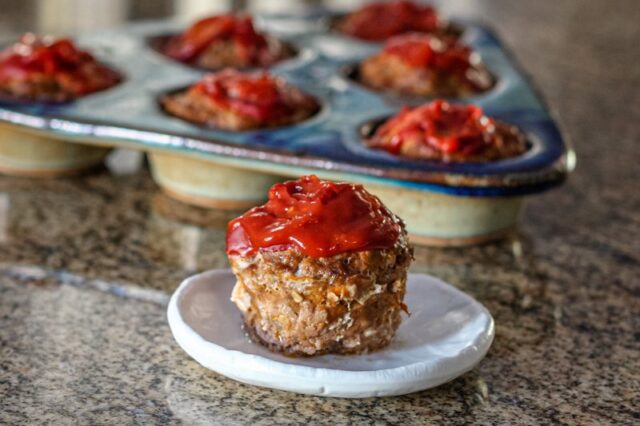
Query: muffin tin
x=442, y=203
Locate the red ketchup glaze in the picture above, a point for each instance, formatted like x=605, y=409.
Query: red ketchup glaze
x=381, y=20
x=431, y=52
x=318, y=217
x=60, y=59
x=256, y=95
x=237, y=28
x=449, y=128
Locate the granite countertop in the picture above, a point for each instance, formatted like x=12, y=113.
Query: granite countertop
x=87, y=265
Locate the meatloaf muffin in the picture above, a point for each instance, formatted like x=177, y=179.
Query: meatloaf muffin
x=448, y=132
x=231, y=100
x=425, y=65
x=321, y=268
x=50, y=70
x=380, y=20
x=226, y=41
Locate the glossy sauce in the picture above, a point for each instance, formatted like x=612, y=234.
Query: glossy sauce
x=320, y=218
x=449, y=128
x=255, y=95
x=381, y=20
x=59, y=59
x=431, y=52
x=247, y=41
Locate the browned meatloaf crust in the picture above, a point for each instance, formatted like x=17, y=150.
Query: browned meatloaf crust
x=346, y=304
x=196, y=108
x=40, y=88
x=389, y=73
x=223, y=53
x=508, y=142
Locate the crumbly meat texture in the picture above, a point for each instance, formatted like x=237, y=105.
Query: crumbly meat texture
x=223, y=53
x=40, y=88
x=507, y=142
x=46, y=88
x=302, y=306
x=349, y=25
x=199, y=109
x=389, y=73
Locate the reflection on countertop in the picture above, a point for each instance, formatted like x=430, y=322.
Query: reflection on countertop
x=87, y=264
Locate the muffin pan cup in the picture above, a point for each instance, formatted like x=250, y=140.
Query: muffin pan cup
x=442, y=203
x=29, y=153
x=434, y=219
x=205, y=184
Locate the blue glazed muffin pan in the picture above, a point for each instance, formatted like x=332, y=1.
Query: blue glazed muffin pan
x=329, y=144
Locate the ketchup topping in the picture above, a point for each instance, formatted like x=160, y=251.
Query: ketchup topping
x=239, y=29
x=318, y=217
x=257, y=95
x=75, y=69
x=381, y=20
x=446, y=127
x=431, y=52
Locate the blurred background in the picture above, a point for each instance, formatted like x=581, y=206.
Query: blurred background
x=74, y=16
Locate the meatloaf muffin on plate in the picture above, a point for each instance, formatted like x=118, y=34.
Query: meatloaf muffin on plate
x=51, y=70
x=380, y=20
x=321, y=268
x=232, y=100
x=426, y=65
x=226, y=41
x=448, y=132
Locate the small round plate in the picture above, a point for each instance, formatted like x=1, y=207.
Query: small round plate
x=446, y=335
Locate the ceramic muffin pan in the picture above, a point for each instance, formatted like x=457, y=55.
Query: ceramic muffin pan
x=454, y=203
x=25, y=153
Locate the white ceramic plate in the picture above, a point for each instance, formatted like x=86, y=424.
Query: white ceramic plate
x=447, y=334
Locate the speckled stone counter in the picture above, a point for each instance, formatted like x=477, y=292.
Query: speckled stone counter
x=87, y=265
